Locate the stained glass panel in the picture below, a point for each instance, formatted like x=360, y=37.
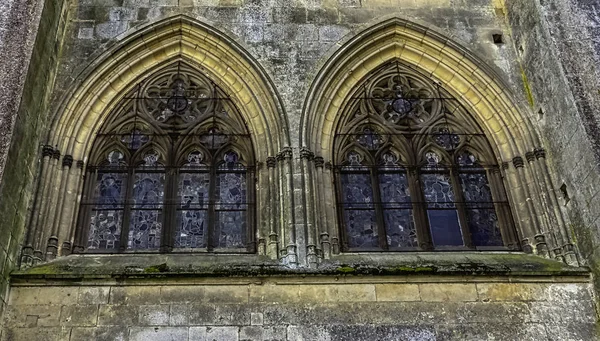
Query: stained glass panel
x=481, y=215
x=193, y=190
x=357, y=189
x=145, y=229
x=229, y=229
x=397, y=210
x=370, y=139
x=447, y=140
x=110, y=190
x=191, y=229
x=135, y=140
x=105, y=230
x=148, y=190
x=231, y=190
x=361, y=228
x=438, y=190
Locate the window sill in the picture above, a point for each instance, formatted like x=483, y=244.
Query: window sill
x=430, y=264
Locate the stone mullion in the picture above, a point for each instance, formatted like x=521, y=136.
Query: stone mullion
x=520, y=206
x=68, y=222
x=567, y=248
x=43, y=225
x=60, y=194
x=312, y=256
x=331, y=210
x=321, y=210
x=287, y=207
x=273, y=201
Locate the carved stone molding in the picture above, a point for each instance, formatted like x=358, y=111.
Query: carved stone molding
x=540, y=153
x=306, y=154
x=271, y=162
x=319, y=161
x=530, y=156
x=47, y=151
x=284, y=154
x=518, y=162
x=67, y=161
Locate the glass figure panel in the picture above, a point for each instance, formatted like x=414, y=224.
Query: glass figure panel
x=481, y=215
x=110, y=190
x=445, y=228
x=105, y=230
x=357, y=189
x=145, y=229
x=191, y=229
x=443, y=217
x=369, y=139
x=397, y=210
x=361, y=228
x=438, y=190
x=483, y=225
x=231, y=190
x=193, y=190
x=135, y=140
x=229, y=229
x=400, y=227
x=148, y=190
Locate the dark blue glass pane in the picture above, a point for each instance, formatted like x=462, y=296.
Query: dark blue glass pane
x=229, y=229
x=148, y=190
x=445, y=228
x=105, y=230
x=145, y=229
x=400, y=228
x=361, y=228
x=191, y=229
x=483, y=225
x=357, y=189
x=110, y=190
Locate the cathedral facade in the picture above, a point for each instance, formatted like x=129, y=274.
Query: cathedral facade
x=299, y=170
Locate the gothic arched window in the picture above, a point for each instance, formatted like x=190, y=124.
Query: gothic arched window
x=171, y=169
x=414, y=171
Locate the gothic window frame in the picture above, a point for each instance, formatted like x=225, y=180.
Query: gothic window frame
x=179, y=111
x=410, y=118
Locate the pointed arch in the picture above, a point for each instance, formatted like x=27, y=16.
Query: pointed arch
x=175, y=39
x=457, y=70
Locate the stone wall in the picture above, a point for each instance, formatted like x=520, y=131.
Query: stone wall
x=556, y=50
x=27, y=74
x=310, y=308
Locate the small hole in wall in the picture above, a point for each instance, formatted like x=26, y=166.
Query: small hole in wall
x=498, y=38
x=541, y=114
x=521, y=49
x=565, y=193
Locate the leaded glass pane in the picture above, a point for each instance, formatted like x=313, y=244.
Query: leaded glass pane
x=229, y=229
x=148, y=190
x=370, y=139
x=145, y=229
x=481, y=215
x=191, y=229
x=135, y=139
x=483, y=225
x=105, y=229
x=231, y=190
x=357, y=189
x=361, y=228
x=110, y=190
x=397, y=210
x=193, y=190
x=446, y=139
x=438, y=190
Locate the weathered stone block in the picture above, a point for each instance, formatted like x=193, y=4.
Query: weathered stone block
x=93, y=295
x=79, y=315
x=154, y=315
x=158, y=334
x=444, y=292
x=397, y=292
x=119, y=315
x=511, y=291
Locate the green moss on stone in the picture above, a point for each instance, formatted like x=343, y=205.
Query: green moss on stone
x=156, y=268
x=346, y=269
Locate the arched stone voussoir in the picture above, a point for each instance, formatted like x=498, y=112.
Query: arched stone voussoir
x=178, y=39
x=465, y=76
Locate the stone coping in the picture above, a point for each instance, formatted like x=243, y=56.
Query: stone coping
x=430, y=264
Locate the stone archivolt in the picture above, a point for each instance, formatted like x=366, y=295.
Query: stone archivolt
x=305, y=232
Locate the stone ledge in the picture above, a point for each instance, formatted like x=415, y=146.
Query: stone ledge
x=181, y=266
